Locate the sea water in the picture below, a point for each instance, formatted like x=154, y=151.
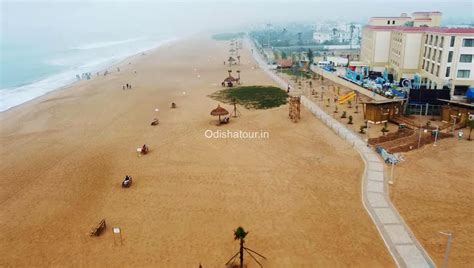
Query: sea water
x=44, y=46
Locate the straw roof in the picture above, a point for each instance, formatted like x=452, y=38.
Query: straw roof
x=219, y=111
x=230, y=78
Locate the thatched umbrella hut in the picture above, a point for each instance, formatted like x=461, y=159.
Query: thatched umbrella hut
x=219, y=111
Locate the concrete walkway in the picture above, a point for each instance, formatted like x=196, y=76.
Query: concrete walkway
x=400, y=241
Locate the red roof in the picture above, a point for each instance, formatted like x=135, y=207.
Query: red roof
x=285, y=63
x=424, y=29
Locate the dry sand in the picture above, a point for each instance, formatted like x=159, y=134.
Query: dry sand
x=63, y=157
x=434, y=191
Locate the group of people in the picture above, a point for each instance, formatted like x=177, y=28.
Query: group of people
x=84, y=76
x=127, y=86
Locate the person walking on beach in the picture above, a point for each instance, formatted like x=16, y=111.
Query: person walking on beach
x=127, y=85
x=460, y=134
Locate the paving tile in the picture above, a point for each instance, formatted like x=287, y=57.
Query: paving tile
x=386, y=215
x=412, y=256
x=398, y=234
x=377, y=200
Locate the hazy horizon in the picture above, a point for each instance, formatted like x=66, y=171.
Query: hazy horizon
x=44, y=44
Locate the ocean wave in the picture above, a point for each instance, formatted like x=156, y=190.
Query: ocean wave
x=105, y=44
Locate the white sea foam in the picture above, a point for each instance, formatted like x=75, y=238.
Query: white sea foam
x=106, y=44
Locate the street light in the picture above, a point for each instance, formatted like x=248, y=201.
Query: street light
x=448, y=247
x=436, y=135
x=391, y=182
x=419, y=136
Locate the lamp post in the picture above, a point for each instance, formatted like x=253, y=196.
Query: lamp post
x=448, y=247
x=419, y=136
x=391, y=182
x=436, y=135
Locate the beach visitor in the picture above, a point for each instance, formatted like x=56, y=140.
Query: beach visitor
x=123, y=87
x=127, y=85
x=460, y=134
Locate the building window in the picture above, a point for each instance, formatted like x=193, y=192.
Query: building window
x=464, y=73
x=425, y=52
x=423, y=66
x=452, y=41
x=393, y=22
x=436, y=41
x=388, y=22
x=432, y=68
x=439, y=55
x=429, y=53
x=441, y=41
x=431, y=39
x=434, y=55
x=448, y=71
x=426, y=40
x=450, y=56
x=465, y=58
x=468, y=43
x=437, y=70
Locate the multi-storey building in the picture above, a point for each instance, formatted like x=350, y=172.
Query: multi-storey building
x=417, y=46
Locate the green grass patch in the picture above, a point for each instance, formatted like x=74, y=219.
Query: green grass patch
x=253, y=97
x=227, y=36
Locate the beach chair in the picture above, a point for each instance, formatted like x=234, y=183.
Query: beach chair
x=97, y=230
x=155, y=122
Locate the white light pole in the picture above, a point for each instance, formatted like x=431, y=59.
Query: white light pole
x=436, y=135
x=391, y=182
x=419, y=136
x=448, y=247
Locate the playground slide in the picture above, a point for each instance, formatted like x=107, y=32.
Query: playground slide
x=346, y=97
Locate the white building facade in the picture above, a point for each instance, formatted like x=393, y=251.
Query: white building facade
x=408, y=46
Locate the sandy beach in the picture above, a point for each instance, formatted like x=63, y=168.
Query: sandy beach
x=433, y=191
x=63, y=157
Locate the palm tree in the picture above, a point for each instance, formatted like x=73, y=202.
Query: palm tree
x=240, y=234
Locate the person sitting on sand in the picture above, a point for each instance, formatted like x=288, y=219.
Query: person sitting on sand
x=144, y=149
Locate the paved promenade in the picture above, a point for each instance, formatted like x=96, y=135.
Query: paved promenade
x=400, y=241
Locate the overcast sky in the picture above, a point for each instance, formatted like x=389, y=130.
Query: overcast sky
x=201, y=14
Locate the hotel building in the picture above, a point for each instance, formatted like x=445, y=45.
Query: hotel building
x=408, y=46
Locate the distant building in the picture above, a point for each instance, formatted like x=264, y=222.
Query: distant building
x=408, y=46
x=340, y=34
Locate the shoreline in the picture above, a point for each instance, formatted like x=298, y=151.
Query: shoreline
x=100, y=69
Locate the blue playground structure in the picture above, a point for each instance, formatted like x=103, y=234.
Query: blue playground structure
x=470, y=94
x=354, y=76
